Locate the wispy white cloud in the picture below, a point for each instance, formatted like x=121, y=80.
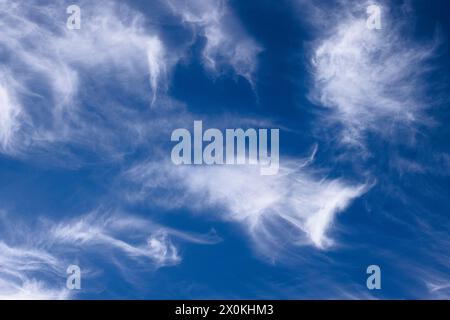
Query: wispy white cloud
x=226, y=40
x=33, y=261
x=379, y=83
x=55, y=104
x=9, y=115
x=54, y=69
x=371, y=80
x=92, y=230
x=30, y=290
x=439, y=289
x=17, y=267
x=294, y=207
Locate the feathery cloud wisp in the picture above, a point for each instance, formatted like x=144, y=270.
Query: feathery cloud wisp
x=370, y=79
x=267, y=206
x=33, y=262
x=9, y=116
x=50, y=63
x=226, y=41
x=17, y=265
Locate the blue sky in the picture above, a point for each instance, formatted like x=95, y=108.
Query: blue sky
x=86, y=178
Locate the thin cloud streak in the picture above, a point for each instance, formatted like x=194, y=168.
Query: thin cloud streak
x=33, y=262
x=293, y=207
